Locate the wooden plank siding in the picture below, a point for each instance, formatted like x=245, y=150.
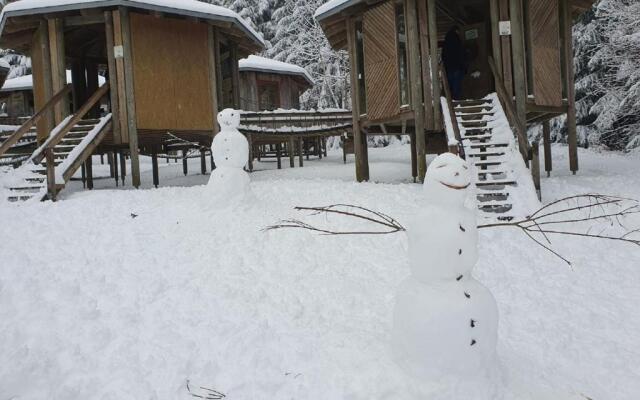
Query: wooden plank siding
x=545, y=51
x=172, y=87
x=381, y=66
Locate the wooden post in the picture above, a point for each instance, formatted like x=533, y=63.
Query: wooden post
x=213, y=164
x=115, y=167
x=185, y=165
x=427, y=90
x=519, y=77
x=572, y=129
x=218, y=61
x=435, y=81
x=58, y=66
x=235, y=76
x=535, y=167
x=89, y=166
x=548, y=159
x=47, y=73
x=507, y=75
x=79, y=78
x=414, y=157
x=154, y=167
x=279, y=154
x=92, y=86
x=292, y=152
x=130, y=96
x=51, y=173
x=83, y=175
x=360, y=140
x=113, y=79
x=203, y=162
x=251, y=149
x=495, y=34
x=300, y=153
x=110, y=162
x=120, y=74
x=123, y=167
x=213, y=77
x=415, y=69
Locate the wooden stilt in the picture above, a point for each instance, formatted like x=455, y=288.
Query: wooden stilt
x=300, y=153
x=115, y=167
x=279, y=155
x=154, y=167
x=185, y=166
x=433, y=56
x=546, y=135
x=83, y=175
x=324, y=146
x=520, y=79
x=535, y=168
x=110, y=162
x=292, y=153
x=414, y=157
x=251, y=149
x=572, y=129
x=203, y=162
x=359, y=143
x=123, y=167
x=213, y=164
x=89, y=166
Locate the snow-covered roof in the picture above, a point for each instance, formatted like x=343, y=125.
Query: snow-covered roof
x=333, y=7
x=25, y=82
x=261, y=64
x=192, y=8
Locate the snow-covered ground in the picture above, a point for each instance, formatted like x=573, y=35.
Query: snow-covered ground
x=127, y=294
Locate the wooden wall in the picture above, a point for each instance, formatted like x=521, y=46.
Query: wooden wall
x=381, y=62
x=171, y=74
x=289, y=89
x=544, y=27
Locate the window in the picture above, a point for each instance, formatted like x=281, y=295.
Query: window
x=268, y=95
x=401, y=32
x=226, y=65
x=362, y=99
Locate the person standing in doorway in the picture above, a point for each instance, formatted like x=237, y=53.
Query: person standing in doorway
x=453, y=57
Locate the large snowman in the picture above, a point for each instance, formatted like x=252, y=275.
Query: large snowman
x=445, y=322
x=229, y=183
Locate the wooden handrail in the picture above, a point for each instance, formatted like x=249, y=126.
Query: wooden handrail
x=17, y=135
x=509, y=108
x=452, y=113
x=77, y=117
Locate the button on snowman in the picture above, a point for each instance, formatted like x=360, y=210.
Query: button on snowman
x=230, y=151
x=445, y=322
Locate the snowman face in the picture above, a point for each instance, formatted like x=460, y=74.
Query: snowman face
x=447, y=179
x=229, y=118
x=450, y=171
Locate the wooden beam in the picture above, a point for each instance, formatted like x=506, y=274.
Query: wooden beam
x=113, y=80
x=423, y=23
x=218, y=61
x=80, y=20
x=360, y=140
x=435, y=82
x=120, y=81
x=213, y=76
x=519, y=77
x=415, y=71
x=505, y=42
x=58, y=66
x=130, y=97
x=572, y=129
x=495, y=34
x=46, y=75
x=235, y=76
x=535, y=168
x=546, y=137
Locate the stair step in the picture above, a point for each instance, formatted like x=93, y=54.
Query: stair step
x=492, y=172
x=497, y=182
x=35, y=179
x=485, y=154
x=76, y=135
x=477, y=137
x=488, y=163
x=471, y=103
x=477, y=131
x=474, y=117
x=15, y=199
x=460, y=110
x=88, y=122
x=496, y=207
x=488, y=144
x=28, y=189
x=490, y=196
x=474, y=124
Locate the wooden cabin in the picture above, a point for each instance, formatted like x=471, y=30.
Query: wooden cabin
x=170, y=66
x=521, y=49
x=267, y=85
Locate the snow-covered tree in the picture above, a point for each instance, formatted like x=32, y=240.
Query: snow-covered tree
x=299, y=40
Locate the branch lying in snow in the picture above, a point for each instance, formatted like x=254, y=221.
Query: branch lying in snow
x=578, y=209
x=205, y=393
x=390, y=224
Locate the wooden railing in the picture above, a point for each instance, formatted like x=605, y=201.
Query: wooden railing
x=57, y=137
x=452, y=113
x=529, y=152
x=17, y=135
x=510, y=111
x=278, y=121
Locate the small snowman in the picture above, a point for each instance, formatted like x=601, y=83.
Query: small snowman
x=229, y=183
x=445, y=322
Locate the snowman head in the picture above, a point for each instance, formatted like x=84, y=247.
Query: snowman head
x=229, y=118
x=447, y=180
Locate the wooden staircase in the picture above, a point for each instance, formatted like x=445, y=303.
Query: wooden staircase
x=52, y=165
x=489, y=153
x=20, y=151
